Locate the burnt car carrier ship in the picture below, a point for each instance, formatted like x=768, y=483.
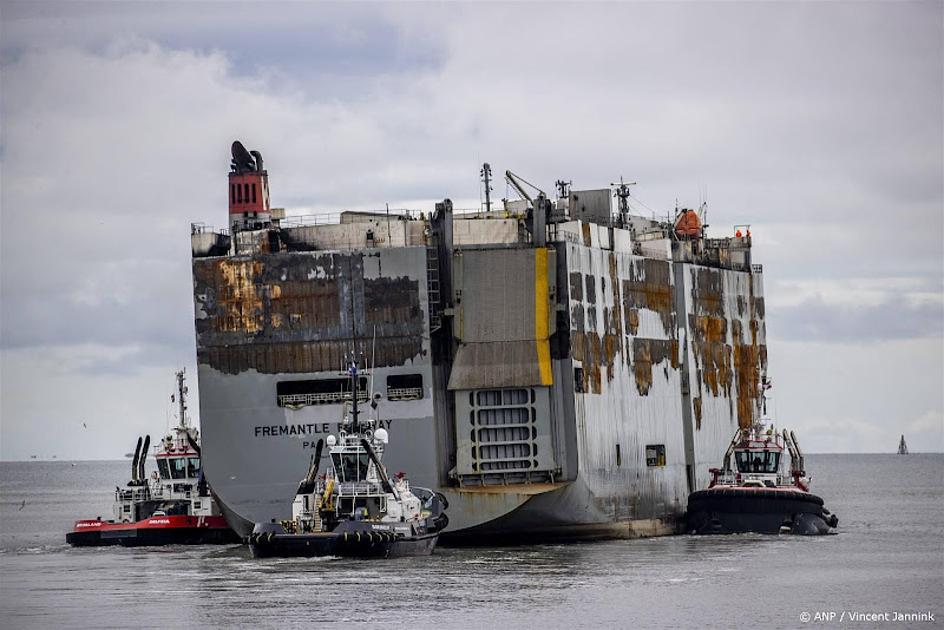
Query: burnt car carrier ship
x=555, y=368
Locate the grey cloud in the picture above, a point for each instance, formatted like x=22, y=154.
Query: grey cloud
x=817, y=320
x=819, y=124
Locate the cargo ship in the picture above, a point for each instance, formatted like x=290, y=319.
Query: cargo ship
x=557, y=366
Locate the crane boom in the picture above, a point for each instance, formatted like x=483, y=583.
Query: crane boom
x=516, y=183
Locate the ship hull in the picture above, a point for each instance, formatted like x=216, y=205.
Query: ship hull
x=156, y=531
x=757, y=510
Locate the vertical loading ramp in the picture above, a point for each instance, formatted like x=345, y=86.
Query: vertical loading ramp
x=502, y=373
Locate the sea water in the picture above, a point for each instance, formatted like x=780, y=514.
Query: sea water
x=887, y=558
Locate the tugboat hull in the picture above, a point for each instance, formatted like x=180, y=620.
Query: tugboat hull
x=349, y=545
x=759, y=510
x=156, y=531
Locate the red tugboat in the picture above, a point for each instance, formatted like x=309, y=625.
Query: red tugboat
x=755, y=495
x=174, y=506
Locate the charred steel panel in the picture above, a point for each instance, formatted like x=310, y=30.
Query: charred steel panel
x=298, y=312
x=630, y=391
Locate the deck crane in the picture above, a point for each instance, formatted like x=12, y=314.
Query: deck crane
x=516, y=182
x=539, y=211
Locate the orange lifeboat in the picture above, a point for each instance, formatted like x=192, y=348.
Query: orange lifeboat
x=688, y=225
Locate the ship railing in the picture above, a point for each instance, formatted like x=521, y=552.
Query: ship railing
x=321, y=398
x=135, y=494
x=733, y=477
x=306, y=220
x=348, y=488
x=203, y=228
x=334, y=218
x=405, y=393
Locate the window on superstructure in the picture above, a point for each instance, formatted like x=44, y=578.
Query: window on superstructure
x=246, y=193
x=254, y=193
x=328, y=391
x=405, y=387
x=163, y=469
x=239, y=193
x=232, y=193
x=193, y=466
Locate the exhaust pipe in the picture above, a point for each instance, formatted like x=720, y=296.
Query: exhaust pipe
x=193, y=444
x=307, y=485
x=134, y=462
x=144, y=452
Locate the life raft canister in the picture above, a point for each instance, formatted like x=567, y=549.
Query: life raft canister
x=688, y=225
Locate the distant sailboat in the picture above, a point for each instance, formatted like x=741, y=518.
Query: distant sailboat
x=902, y=447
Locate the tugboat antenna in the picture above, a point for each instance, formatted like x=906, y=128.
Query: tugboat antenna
x=181, y=401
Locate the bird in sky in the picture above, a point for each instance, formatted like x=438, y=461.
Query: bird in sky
x=83, y=426
x=22, y=505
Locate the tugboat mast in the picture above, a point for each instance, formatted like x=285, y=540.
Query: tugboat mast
x=355, y=412
x=181, y=394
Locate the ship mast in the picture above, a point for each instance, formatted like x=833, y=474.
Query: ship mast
x=181, y=400
x=486, y=174
x=355, y=413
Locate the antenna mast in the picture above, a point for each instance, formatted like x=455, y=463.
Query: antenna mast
x=563, y=188
x=486, y=174
x=181, y=400
x=622, y=193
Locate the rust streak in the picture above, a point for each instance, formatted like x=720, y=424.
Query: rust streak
x=650, y=288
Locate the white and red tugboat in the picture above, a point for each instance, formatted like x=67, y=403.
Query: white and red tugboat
x=174, y=506
x=754, y=495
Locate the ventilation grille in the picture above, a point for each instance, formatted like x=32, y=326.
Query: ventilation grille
x=502, y=430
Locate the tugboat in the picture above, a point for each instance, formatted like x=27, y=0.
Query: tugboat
x=174, y=506
x=755, y=495
x=355, y=509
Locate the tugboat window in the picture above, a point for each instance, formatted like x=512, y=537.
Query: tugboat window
x=757, y=461
x=178, y=468
x=193, y=466
x=351, y=466
x=163, y=469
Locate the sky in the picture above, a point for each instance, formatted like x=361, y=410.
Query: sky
x=820, y=124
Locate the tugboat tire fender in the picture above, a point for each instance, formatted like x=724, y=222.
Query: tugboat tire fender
x=793, y=495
